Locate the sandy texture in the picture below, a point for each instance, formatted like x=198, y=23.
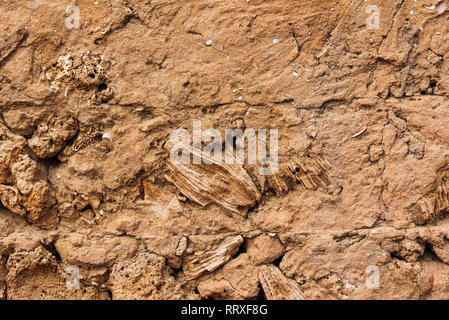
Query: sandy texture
x=86, y=178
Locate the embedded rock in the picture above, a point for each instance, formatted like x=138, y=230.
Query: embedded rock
x=264, y=249
x=50, y=137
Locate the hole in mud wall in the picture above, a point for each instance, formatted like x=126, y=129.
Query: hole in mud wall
x=51, y=162
x=141, y=195
x=103, y=86
x=109, y=292
x=428, y=254
x=86, y=208
x=433, y=84
x=242, y=249
x=277, y=262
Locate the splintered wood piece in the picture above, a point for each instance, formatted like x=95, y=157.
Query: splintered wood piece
x=309, y=172
x=277, y=286
x=208, y=261
x=227, y=185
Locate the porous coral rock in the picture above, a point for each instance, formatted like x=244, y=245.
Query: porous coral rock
x=36, y=275
x=30, y=194
x=51, y=136
x=148, y=277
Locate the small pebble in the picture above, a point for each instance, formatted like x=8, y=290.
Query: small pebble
x=209, y=42
x=295, y=73
x=106, y=136
x=275, y=41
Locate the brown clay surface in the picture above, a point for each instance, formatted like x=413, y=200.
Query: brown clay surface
x=86, y=178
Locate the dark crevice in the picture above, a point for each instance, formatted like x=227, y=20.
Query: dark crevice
x=109, y=292
x=429, y=255
x=177, y=274
x=261, y=295
x=278, y=261
x=50, y=162
x=86, y=208
x=433, y=84
x=52, y=249
x=242, y=249
x=141, y=195
x=394, y=255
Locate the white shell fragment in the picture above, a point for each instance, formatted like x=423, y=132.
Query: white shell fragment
x=106, y=136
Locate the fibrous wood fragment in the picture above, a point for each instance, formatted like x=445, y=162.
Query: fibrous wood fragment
x=160, y=202
x=277, y=286
x=209, y=260
x=227, y=185
x=309, y=172
x=434, y=204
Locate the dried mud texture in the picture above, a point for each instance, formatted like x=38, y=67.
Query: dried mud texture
x=86, y=178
